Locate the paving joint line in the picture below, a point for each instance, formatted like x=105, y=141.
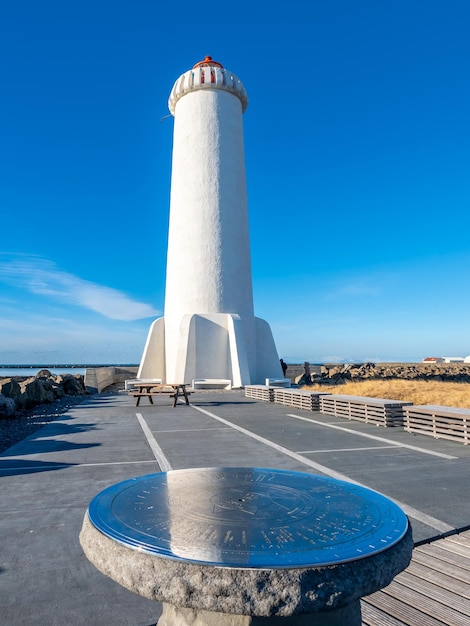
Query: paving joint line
x=191, y=430
x=38, y=468
x=345, y=449
x=158, y=453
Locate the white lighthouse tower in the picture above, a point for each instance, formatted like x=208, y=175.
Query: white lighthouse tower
x=209, y=330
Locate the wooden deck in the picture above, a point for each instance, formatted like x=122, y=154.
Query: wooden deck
x=434, y=590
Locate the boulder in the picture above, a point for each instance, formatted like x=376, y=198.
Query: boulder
x=44, y=374
x=73, y=385
x=7, y=406
x=36, y=391
x=10, y=388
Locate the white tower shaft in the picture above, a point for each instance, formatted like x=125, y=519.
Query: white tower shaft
x=208, y=208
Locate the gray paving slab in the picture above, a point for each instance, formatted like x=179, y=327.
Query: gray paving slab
x=48, y=480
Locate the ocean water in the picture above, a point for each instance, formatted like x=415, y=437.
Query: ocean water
x=32, y=371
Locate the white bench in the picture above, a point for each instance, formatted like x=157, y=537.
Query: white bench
x=441, y=422
x=278, y=382
x=211, y=383
x=378, y=411
x=130, y=382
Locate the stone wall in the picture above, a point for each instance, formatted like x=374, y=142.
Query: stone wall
x=98, y=378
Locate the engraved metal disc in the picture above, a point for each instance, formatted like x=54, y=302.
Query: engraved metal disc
x=248, y=517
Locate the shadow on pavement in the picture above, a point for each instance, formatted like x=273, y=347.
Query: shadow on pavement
x=19, y=466
x=41, y=446
x=215, y=403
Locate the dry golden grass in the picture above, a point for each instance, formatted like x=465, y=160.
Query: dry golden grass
x=415, y=391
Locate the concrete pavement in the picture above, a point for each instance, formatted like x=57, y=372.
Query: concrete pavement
x=48, y=480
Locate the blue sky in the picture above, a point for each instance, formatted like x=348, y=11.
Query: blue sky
x=357, y=139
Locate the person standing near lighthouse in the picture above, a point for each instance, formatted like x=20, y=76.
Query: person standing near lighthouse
x=209, y=329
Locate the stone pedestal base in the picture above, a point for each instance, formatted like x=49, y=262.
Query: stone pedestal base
x=175, y=616
x=197, y=541
x=225, y=592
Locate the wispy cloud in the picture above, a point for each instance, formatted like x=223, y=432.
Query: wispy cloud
x=355, y=289
x=42, y=277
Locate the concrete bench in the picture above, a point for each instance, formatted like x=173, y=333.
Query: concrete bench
x=260, y=392
x=130, y=382
x=378, y=411
x=278, y=382
x=212, y=383
x=299, y=398
x=441, y=422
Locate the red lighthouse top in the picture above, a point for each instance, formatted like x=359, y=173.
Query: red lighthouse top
x=208, y=61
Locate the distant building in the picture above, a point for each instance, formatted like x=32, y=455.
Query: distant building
x=454, y=359
x=433, y=359
x=466, y=359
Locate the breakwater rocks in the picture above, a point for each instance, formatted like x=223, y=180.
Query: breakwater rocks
x=337, y=374
x=17, y=394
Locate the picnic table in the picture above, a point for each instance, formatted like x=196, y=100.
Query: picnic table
x=146, y=389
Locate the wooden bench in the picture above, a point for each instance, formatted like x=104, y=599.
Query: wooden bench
x=441, y=422
x=148, y=390
x=260, y=392
x=378, y=411
x=299, y=398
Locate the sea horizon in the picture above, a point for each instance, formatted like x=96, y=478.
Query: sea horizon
x=25, y=369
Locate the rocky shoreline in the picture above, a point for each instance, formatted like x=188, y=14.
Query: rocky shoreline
x=337, y=374
x=24, y=423
x=27, y=404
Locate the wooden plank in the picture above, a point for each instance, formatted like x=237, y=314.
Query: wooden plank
x=436, y=433
x=433, y=562
x=431, y=590
x=439, y=578
x=408, y=614
x=462, y=538
x=371, y=401
x=446, y=555
x=439, y=421
x=440, y=410
x=434, y=590
x=259, y=392
x=299, y=398
x=456, y=548
x=432, y=608
x=369, y=410
x=372, y=616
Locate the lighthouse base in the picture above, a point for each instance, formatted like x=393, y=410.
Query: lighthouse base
x=211, y=346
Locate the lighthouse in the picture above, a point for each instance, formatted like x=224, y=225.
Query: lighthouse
x=209, y=330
